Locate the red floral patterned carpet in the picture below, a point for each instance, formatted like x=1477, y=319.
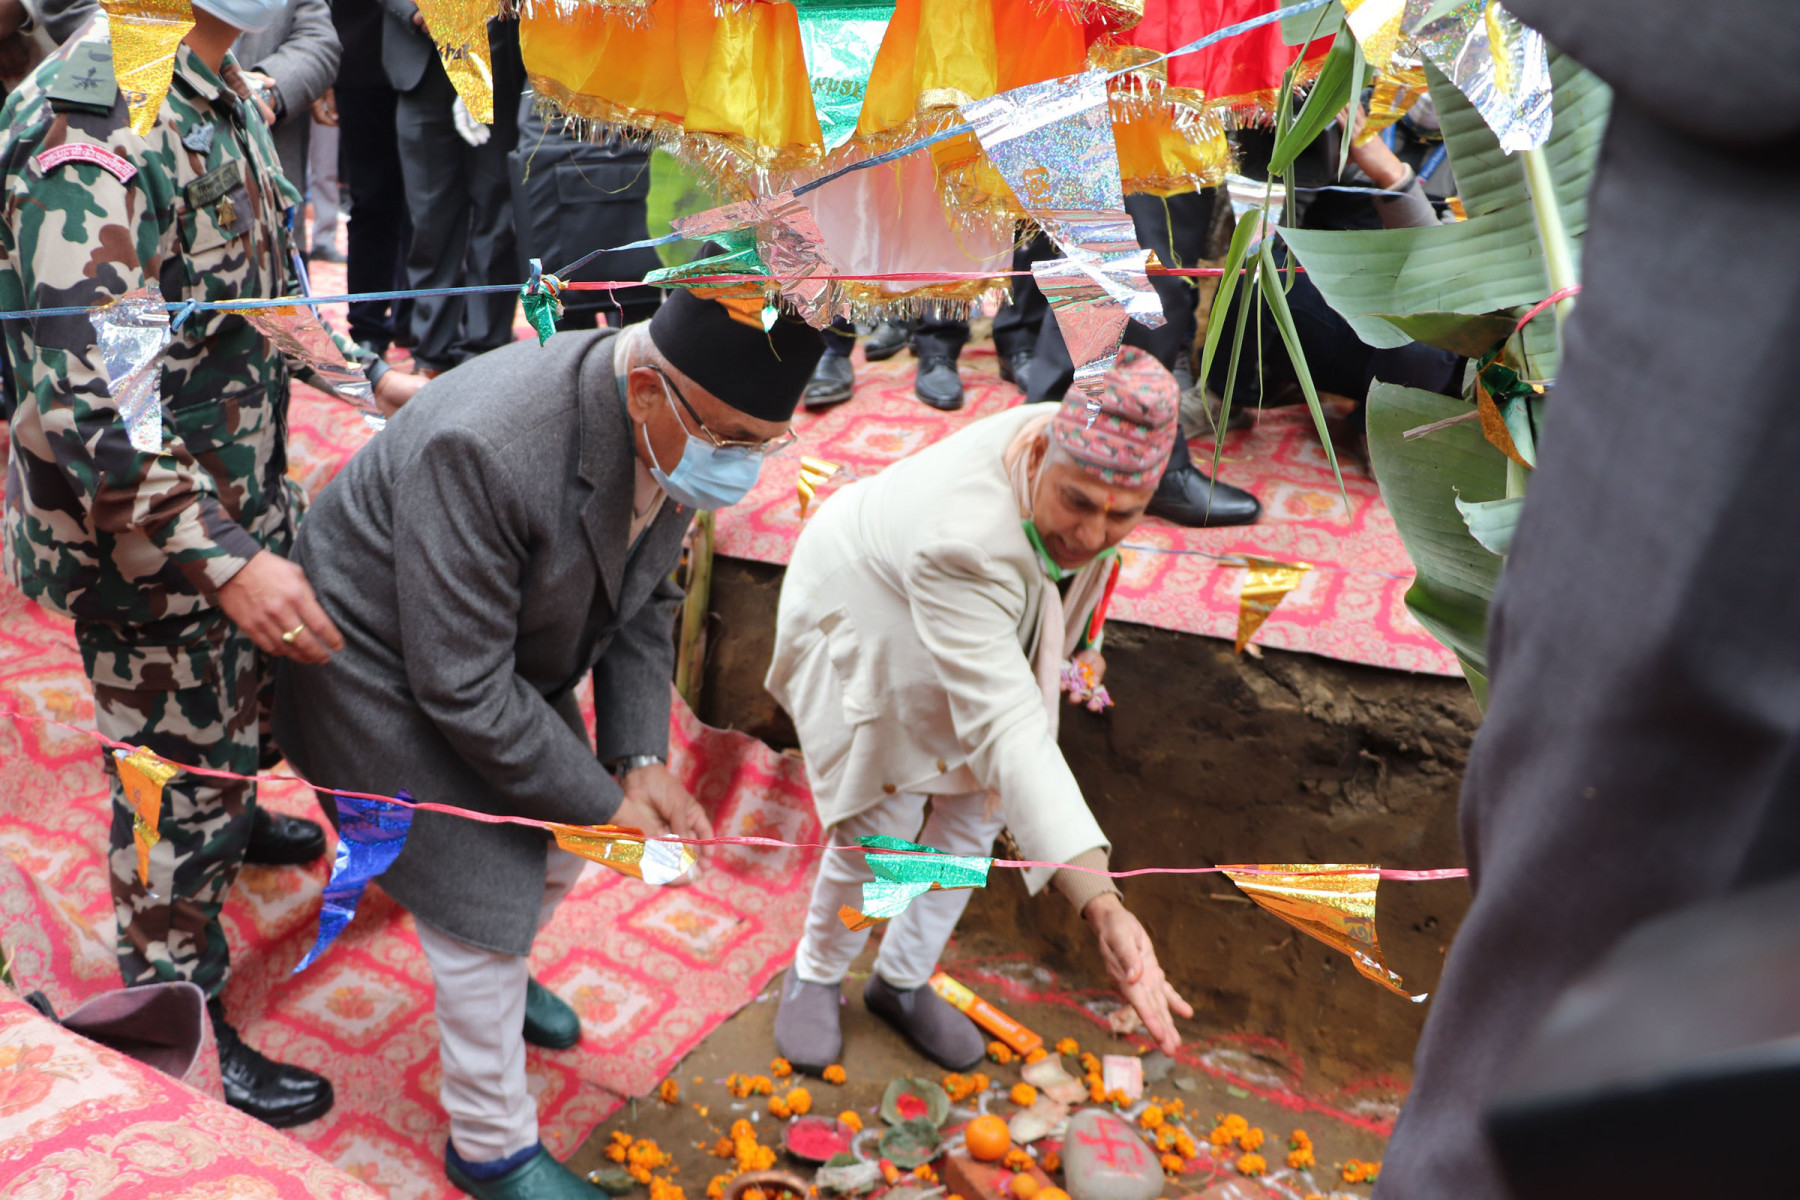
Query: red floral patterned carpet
x=1350, y=607
x=650, y=970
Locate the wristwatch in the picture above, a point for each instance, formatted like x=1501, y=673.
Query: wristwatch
x=626, y=766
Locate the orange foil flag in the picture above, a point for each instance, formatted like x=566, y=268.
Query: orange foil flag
x=1267, y=582
x=627, y=851
x=143, y=774
x=1334, y=903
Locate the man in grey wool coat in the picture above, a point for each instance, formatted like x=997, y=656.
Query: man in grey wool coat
x=480, y=557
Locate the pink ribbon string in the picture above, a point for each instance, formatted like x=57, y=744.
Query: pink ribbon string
x=770, y=843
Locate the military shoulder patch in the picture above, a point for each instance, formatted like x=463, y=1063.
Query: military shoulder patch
x=115, y=165
x=85, y=80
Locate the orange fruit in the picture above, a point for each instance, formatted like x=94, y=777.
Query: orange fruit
x=988, y=1139
x=1051, y=1193
x=1025, y=1187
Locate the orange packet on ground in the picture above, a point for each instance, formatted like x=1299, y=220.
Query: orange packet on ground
x=1021, y=1039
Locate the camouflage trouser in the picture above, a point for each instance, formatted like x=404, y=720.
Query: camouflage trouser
x=200, y=697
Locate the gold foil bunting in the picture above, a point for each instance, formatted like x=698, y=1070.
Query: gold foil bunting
x=459, y=27
x=143, y=775
x=655, y=861
x=1334, y=903
x=146, y=35
x=814, y=472
x=1267, y=582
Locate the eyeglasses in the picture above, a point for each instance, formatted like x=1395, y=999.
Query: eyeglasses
x=774, y=445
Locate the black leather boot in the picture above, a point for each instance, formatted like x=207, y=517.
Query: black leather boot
x=1187, y=497
x=274, y=1093
x=938, y=384
x=278, y=840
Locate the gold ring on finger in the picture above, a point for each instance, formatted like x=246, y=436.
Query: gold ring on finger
x=293, y=635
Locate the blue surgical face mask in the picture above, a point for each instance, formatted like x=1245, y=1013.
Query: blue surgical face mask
x=251, y=16
x=707, y=476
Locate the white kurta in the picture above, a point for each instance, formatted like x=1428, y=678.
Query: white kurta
x=904, y=646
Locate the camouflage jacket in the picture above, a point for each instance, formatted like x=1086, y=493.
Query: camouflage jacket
x=94, y=529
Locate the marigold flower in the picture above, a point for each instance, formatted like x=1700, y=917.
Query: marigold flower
x=737, y=1085
x=1165, y=1138
x=1151, y=1117
x=1175, y=1108
x=925, y=1173
x=1299, y=1160
x=1068, y=1047
x=1298, y=1140
x=715, y=1187
x=1251, y=1139
x=663, y=1189
x=1023, y=1095
x=1232, y=1124
x=1096, y=1090
x=1358, y=1171
x=799, y=1102
x=1052, y=1161
x=980, y=1081
x=755, y=1193
x=1172, y=1164
x=850, y=1120
x=670, y=1091
x=1251, y=1164
x=778, y=1107
x=1118, y=1098
x=1090, y=1065
x=835, y=1074
x=616, y=1152
x=1017, y=1160
x=762, y=1085
x=1185, y=1145
x=781, y=1068
x=722, y=1148
x=1000, y=1052
x=741, y=1128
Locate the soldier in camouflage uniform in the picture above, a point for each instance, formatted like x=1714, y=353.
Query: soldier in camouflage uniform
x=169, y=563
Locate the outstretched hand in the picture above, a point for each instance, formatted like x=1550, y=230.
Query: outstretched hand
x=1131, y=961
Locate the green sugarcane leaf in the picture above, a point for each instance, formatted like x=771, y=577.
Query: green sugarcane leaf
x=1421, y=482
x=1303, y=28
x=1235, y=258
x=1330, y=93
x=1270, y=278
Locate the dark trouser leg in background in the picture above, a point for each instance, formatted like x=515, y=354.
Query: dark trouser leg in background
x=834, y=379
x=1020, y=318
x=459, y=197
x=937, y=343
x=379, y=229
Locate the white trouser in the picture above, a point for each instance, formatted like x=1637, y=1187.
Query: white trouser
x=913, y=941
x=481, y=1031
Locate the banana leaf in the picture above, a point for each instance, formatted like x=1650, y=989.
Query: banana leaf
x=1421, y=482
x=1490, y=262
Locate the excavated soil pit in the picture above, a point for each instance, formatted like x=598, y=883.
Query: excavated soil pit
x=1207, y=758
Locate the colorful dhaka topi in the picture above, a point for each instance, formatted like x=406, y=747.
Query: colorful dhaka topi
x=1128, y=441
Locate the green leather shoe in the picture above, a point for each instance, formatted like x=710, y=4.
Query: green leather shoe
x=549, y=1022
x=541, y=1178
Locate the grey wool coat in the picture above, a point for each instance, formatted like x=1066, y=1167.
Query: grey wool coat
x=474, y=557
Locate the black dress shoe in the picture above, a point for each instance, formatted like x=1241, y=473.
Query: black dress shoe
x=938, y=384
x=1187, y=497
x=278, y=840
x=886, y=340
x=833, y=382
x=1014, y=366
x=274, y=1093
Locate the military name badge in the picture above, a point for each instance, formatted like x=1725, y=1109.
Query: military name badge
x=212, y=186
x=116, y=165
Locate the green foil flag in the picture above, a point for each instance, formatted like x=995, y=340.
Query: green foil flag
x=841, y=39
x=902, y=878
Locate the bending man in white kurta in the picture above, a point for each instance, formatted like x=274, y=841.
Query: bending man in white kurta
x=924, y=620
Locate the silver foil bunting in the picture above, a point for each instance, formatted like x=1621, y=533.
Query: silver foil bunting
x=133, y=332
x=789, y=243
x=296, y=331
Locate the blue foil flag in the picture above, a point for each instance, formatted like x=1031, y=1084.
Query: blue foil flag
x=371, y=834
